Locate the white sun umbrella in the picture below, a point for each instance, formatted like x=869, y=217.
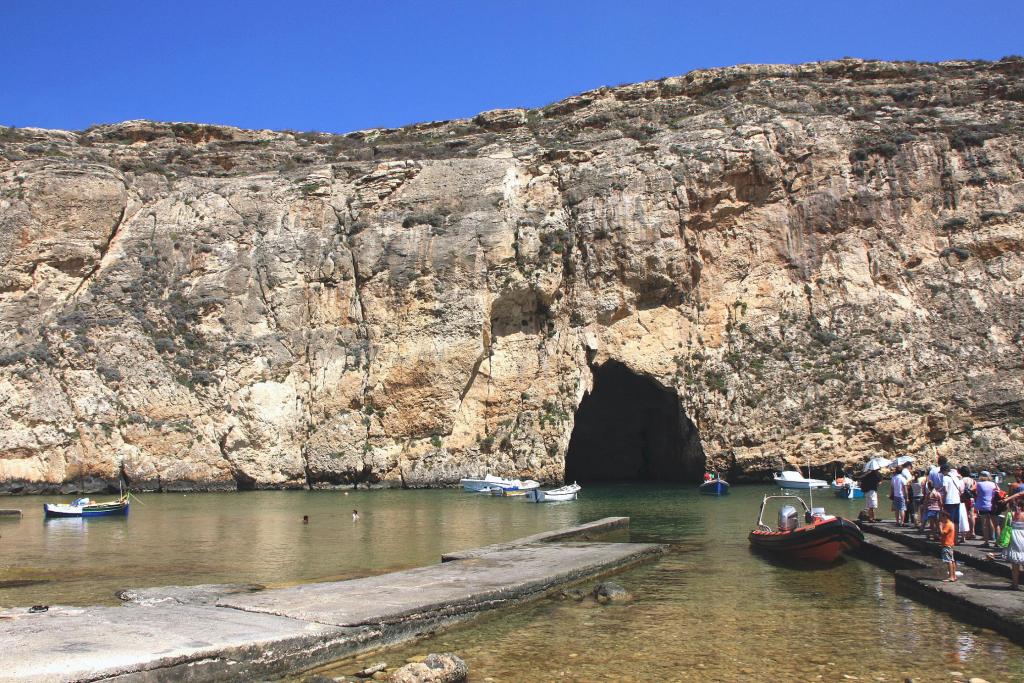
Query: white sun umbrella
x=876, y=464
x=904, y=459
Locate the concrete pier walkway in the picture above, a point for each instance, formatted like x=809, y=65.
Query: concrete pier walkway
x=242, y=633
x=981, y=596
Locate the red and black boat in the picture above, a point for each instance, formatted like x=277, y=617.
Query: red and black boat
x=821, y=538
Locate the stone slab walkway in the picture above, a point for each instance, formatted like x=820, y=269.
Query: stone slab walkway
x=239, y=632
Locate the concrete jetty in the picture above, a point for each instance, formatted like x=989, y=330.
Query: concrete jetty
x=241, y=632
x=982, y=596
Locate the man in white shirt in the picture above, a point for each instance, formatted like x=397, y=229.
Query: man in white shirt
x=899, y=497
x=952, y=486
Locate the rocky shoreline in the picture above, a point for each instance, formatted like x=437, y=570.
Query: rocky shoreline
x=736, y=268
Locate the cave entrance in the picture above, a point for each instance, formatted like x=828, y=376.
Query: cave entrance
x=630, y=427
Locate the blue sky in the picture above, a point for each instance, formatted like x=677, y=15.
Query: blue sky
x=341, y=66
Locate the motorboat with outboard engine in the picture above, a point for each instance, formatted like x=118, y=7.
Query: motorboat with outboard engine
x=483, y=485
x=821, y=538
x=791, y=479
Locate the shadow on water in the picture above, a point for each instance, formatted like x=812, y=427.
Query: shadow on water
x=793, y=564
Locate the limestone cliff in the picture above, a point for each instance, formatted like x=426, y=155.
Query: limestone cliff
x=819, y=261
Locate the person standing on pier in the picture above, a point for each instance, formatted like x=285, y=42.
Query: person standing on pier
x=947, y=536
x=967, y=494
x=935, y=473
x=985, y=491
x=899, y=496
x=915, y=511
x=933, y=505
x=869, y=485
x=951, y=491
x=1014, y=553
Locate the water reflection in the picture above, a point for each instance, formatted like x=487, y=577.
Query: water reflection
x=710, y=596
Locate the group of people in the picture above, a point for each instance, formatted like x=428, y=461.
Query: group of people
x=954, y=506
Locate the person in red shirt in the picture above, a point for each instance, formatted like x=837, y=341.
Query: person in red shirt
x=947, y=535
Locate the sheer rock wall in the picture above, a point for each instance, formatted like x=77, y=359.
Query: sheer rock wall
x=825, y=260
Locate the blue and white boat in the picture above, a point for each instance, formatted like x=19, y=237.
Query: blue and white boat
x=715, y=487
x=845, y=487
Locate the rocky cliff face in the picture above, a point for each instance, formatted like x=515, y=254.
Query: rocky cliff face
x=798, y=262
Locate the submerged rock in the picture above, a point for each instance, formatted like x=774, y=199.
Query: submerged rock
x=435, y=668
x=369, y=671
x=609, y=591
x=572, y=594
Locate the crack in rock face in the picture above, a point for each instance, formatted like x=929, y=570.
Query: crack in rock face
x=740, y=269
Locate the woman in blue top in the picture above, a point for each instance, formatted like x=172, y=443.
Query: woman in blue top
x=986, y=491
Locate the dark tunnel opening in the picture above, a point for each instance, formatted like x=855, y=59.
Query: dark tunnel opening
x=630, y=427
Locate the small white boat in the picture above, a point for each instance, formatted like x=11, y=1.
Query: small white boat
x=514, y=487
x=564, y=493
x=794, y=480
x=484, y=485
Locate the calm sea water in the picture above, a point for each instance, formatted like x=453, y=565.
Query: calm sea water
x=710, y=610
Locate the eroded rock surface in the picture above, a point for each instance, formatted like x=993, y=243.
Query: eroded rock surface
x=823, y=261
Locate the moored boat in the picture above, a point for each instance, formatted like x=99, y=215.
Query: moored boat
x=483, y=485
x=845, y=487
x=513, y=487
x=714, y=487
x=791, y=479
x=568, y=492
x=84, y=507
x=820, y=539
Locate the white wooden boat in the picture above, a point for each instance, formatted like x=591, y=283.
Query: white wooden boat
x=484, y=485
x=515, y=487
x=794, y=480
x=564, y=493
x=84, y=507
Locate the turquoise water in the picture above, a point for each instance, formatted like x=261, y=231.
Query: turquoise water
x=710, y=610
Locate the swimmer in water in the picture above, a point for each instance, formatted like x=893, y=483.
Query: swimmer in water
x=355, y=515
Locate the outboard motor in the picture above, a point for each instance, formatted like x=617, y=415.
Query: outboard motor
x=787, y=518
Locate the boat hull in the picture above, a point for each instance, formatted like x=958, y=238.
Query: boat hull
x=483, y=485
x=800, y=485
x=115, y=509
x=715, y=487
x=553, y=496
x=822, y=541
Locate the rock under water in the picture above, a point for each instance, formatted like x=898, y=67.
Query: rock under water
x=766, y=264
